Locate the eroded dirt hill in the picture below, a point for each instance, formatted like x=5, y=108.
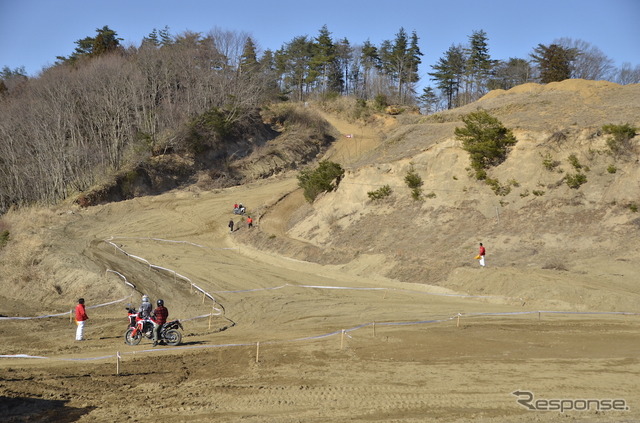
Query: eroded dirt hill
x=541, y=225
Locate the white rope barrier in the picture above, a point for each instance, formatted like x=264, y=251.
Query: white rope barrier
x=152, y=266
x=342, y=332
x=44, y=316
x=123, y=277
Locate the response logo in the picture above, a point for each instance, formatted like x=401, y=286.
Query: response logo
x=528, y=401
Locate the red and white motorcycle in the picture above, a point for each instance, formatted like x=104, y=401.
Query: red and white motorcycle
x=139, y=327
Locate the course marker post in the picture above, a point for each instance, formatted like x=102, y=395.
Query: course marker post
x=374, y=328
x=117, y=362
x=257, y=351
x=71, y=316
x=342, y=339
x=458, y=323
x=204, y=295
x=539, y=316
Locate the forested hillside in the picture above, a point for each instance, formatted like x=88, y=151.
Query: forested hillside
x=116, y=120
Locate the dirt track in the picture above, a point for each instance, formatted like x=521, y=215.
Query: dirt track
x=417, y=363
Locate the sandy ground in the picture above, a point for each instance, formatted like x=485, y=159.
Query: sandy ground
x=403, y=356
x=270, y=338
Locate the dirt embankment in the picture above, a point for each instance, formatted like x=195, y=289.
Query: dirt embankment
x=348, y=309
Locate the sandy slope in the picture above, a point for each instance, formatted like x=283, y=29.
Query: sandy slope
x=411, y=352
x=307, y=370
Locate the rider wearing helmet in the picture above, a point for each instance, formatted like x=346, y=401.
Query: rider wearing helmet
x=159, y=317
x=145, y=307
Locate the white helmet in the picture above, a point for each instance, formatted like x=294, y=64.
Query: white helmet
x=145, y=298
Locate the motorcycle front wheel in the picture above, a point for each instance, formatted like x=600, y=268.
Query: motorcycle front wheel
x=172, y=337
x=129, y=339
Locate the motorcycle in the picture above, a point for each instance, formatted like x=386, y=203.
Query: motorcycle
x=139, y=327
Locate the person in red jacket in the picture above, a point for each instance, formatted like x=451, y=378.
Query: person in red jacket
x=482, y=253
x=81, y=317
x=159, y=318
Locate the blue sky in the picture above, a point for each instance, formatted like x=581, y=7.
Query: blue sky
x=34, y=32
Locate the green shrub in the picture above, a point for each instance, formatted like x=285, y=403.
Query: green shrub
x=612, y=169
x=620, y=140
x=431, y=195
x=380, y=102
x=549, y=163
x=360, y=110
x=537, y=192
x=485, y=139
x=380, y=193
x=324, y=178
x=414, y=181
x=573, y=160
x=575, y=180
x=497, y=188
x=633, y=207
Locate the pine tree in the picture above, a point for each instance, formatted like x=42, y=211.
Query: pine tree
x=400, y=61
x=295, y=62
x=448, y=73
x=344, y=58
x=554, y=62
x=508, y=74
x=478, y=64
x=414, y=59
x=428, y=100
x=105, y=41
x=370, y=61
x=165, y=36
x=485, y=139
x=152, y=39
x=324, y=62
x=249, y=58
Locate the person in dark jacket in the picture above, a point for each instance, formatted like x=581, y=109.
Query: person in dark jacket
x=159, y=318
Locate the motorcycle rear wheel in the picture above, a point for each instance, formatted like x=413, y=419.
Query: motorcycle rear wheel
x=129, y=339
x=172, y=337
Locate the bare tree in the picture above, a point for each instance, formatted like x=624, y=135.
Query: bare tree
x=628, y=74
x=590, y=62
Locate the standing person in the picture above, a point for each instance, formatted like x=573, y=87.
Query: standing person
x=159, y=318
x=145, y=307
x=230, y=225
x=81, y=317
x=250, y=222
x=482, y=253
